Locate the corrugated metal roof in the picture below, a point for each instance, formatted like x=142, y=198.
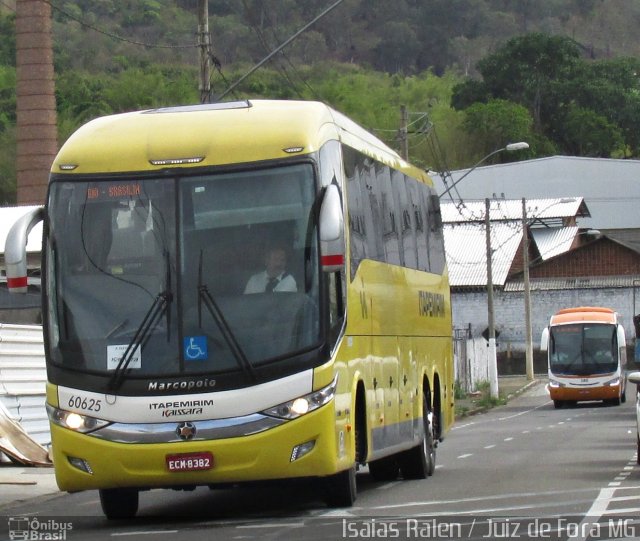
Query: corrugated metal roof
x=582, y=282
x=8, y=216
x=562, y=176
x=511, y=209
x=465, y=246
x=23, y=378
x=553, y=241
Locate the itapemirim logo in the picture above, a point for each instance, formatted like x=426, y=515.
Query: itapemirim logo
x=38, y=529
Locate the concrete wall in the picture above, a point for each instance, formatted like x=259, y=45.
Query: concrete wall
x=471, y=309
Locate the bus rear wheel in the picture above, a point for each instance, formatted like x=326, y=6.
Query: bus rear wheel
x=384, y=469
x=119, y=503
x=420, y=462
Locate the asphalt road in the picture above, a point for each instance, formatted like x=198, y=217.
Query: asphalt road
x=520, y=471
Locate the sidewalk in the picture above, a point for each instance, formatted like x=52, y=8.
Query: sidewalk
x=20, y=483
x=508, y=387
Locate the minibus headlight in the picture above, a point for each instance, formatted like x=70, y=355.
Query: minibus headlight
x=303, y=404
x=555, y=384
x=74, y=421
x=613, y=382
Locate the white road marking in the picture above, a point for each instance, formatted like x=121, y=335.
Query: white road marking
x=150, y=532
x=387, y=486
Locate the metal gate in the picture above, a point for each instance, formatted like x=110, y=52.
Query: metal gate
x=462, y=362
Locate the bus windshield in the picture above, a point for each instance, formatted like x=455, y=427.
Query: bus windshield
x=159, y=268
x=583, y=349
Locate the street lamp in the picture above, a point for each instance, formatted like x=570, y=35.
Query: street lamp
x=493, y=357
x=511, y=147
x=493, y=360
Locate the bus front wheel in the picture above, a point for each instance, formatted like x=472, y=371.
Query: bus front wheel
x=341, y=489
x=119, y=503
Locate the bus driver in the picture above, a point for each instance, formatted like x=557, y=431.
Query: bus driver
x=274, y=278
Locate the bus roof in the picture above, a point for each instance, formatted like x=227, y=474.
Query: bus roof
x=584, y=313
x=214, y=134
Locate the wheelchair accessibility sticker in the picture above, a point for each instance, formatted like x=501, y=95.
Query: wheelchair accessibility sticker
x=195, y=348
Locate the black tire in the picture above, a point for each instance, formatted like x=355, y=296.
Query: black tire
x=558, y=404
x=638, y=450
x=385, y=469
x=420, y=462
x=119, y=503
x=341, y=489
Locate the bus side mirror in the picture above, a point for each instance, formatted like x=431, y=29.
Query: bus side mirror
x=622, y=341
x=15, y=250
x=544, y=340
x=332, y=249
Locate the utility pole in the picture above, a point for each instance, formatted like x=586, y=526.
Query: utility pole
x=204, y=44
x=527, y=293
x=493, y=361
x=403, y=134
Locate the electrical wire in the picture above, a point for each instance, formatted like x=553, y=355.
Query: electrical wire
x=115, y=36
x=10, y=8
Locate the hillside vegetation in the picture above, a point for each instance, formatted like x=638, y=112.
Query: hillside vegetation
x=474, y=74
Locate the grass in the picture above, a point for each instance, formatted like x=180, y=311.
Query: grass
x=482, y=399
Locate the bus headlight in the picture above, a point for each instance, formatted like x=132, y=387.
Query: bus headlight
x=74, y=421
x=555, y=384
x=613, y=382
x=303, y=404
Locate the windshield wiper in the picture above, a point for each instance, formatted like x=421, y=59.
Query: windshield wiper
x=158, y=308
x=204, y=296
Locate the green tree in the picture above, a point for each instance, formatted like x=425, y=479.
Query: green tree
x=7, y=166
x=587, y=133
x=494, y=124
x=7, y=97
x=611, y=89
x=523, y=70
x=8, y=41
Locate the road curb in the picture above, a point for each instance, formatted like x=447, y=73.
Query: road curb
x=484, y=409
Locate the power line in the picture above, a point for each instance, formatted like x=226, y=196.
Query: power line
x=278, y=49
x=112, y=35
x=286, y=57
x=267, y=48
x=7, y=6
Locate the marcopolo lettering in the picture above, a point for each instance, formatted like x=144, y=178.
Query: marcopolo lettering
x=431, y=304
x=181, y=385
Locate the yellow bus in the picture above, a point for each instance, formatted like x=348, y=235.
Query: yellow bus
x=166, y=369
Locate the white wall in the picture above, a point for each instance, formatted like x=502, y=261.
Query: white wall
x=471, y=308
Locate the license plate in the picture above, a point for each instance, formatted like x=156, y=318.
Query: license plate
x=190, y=462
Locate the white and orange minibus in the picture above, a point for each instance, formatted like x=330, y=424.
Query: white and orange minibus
x=586, y=356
